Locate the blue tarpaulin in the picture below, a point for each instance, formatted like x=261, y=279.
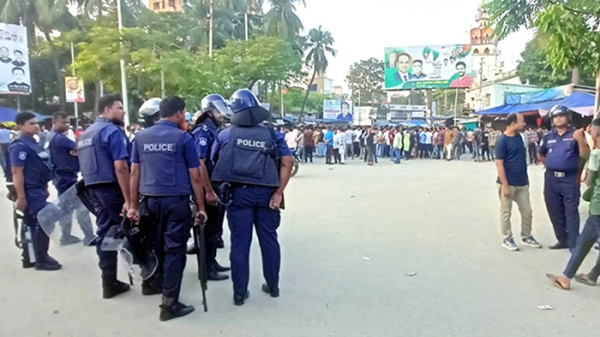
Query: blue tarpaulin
x=536, y=96
x=8, y=115
x=577, y=101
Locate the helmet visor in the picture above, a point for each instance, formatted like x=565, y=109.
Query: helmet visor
x=222, y=108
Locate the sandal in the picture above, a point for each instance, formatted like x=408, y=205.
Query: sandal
x=582, y=278
x=554, y=280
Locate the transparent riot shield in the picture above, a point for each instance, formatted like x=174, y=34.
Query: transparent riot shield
x=134, y=250
x=67, y=222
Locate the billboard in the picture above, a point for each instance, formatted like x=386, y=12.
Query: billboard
x=337, y=109
x=14, y=60
x=428, y=67
x=74, y=90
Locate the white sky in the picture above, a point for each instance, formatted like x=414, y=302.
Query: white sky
x=363, y=28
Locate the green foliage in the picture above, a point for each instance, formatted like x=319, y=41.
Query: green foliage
x=535, y=70
x=366, y=78
x=319, y=43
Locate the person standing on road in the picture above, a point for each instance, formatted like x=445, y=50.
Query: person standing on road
x=31, y=171
x=457, y=143
x=4, y=144
x=103, y=152
x=406, y=144
x=448, y=141
x=328, y=140
x=370, y=144
x=563, y=151
x=493, y=138
x=513, y=182
x=349, y=152
x=63, y=153
x=309, y=144
x=397, y=146
x=247, y=156
x=532, y=145
x=591, y=230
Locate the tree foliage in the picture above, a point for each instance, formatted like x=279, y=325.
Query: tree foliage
x=319, y=44
x=365, y=78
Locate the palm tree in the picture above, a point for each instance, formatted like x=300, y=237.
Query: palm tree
x=281, y=20
x=319, y=43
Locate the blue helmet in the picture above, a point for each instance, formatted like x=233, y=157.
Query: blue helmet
x=560, y=110
x=215, y=101
x=246, y=108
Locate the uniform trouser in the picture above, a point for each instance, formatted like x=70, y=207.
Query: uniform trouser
x=172, y=218
x=67, y=208
x=562, y=202
x=213, y=229
x=250, y=206
x=36, y=200
x=520, y=195
x=108, y=203
x=585, y=242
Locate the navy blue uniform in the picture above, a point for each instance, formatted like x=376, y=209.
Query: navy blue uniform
x=205, y=135
x=165, y=154
x=25, y=152
x=99, y=147
x=561, y=187
x=66, y=168
x=244, y=161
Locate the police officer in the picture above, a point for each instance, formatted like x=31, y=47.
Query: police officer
x=564, y=151
x=165, y=173
x=207, y=125
x=103, y=158
x=149, y=112
x=246, y=156
x=31, y=172
x=63, y=153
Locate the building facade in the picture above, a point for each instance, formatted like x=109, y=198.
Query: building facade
x=165, y=5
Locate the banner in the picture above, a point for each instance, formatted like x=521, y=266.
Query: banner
x=337, y=109
x=14, y=60
x=74, y=90
x=428, y=67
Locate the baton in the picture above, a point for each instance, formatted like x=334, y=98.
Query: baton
x=201, y=257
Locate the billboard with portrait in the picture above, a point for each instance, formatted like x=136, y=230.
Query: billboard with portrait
x=340, y=110
x=14, y=60
x=74, y=90
x=428, y=67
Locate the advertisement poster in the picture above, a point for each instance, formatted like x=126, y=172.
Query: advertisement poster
x=337, y=109
x=14, y=60
x=428, y=67
x=74, y=90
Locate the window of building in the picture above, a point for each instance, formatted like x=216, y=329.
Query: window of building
x=156, y=5
x=476, y=51
x=486, y=51
x=171, y=3
x=162, y=4
x=488, y=99
x=313, y=88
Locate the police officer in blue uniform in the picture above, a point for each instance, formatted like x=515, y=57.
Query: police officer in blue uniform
x=207, y=123
x=165, y=173
x=246, y=156
x=31, y=172
x=564, y=151
x=63, y=153
x=103, y=151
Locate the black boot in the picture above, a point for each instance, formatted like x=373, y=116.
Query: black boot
x=152, y=286
x=239, y=299
x=213, y=274
x=111, y=287
x=274, y=292
x=220, y=268
x=173, y=309
x=48, y=264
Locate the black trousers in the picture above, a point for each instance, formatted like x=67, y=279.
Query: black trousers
x=532, y=149
x=308, y=153
x=336, y=155
x=329, y=154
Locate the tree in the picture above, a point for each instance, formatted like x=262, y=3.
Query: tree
x=283, y=22
x=319, y=43
x=535, y=70
x=365, y=78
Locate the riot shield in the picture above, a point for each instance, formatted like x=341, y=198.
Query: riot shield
x=57, y=219
x=134, y=248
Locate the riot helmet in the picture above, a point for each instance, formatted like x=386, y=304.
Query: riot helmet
x=215, y=107
x=149, y=112
x=246, y=108
x=560, y=110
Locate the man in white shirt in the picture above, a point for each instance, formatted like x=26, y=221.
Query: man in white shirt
x=349, y=143
x=336, y=145
x=356, y=138
x=428, y=143
x=291, y=138
x=386, y=141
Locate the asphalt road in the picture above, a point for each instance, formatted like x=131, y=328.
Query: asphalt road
x=351, y=236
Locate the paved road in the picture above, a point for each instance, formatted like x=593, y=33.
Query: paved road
x=349, y=238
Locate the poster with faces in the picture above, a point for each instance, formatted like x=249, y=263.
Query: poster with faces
x=14, y=60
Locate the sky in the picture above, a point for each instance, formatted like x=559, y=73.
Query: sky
x=363, y=28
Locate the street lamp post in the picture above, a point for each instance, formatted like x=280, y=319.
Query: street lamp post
x=122, y=62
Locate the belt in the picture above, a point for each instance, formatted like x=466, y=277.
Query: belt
x=562, y=174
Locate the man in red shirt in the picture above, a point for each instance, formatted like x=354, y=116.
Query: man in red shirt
x=309, y=143
x=463, y=80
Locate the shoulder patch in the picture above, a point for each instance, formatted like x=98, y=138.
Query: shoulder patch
x=202, y=141
x=204, y=127
x=22, y=155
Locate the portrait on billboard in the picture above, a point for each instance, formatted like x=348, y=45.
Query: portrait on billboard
x=14, y=60
x=428, y=67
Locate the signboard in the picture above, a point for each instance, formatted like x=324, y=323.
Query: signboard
x=428, y=67
x=408, y=107
x=74, y=90
x=14, y=60
x=337, y=109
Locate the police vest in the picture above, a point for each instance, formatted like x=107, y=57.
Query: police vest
x=38, y=168
x=95, y=160
x=63, y=161
x=248, y=158
x=563, y=151
x=163, y=169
